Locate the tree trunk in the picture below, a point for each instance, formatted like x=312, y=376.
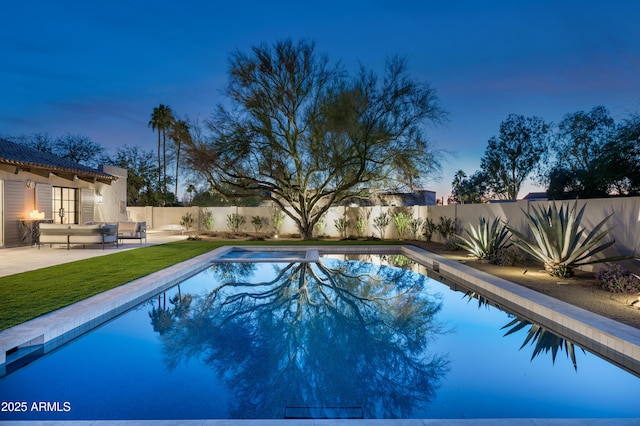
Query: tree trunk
x=177, y=170
x=307, y=232
x=159, y=164
x=164, y=168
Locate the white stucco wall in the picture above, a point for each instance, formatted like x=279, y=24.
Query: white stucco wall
x=624, y=221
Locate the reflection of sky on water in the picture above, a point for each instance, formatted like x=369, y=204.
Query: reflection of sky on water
x=487, y=368
x=121, y=368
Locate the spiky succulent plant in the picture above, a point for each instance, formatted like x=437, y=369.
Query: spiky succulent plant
x=485, y=241
x=558, y=240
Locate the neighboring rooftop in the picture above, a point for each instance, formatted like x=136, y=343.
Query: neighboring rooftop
x=536, y=196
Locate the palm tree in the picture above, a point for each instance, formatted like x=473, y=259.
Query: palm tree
x=179, y=133
x=162, y=119
x=154, y=123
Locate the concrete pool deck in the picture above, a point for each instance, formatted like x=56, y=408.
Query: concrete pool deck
x=14, y=260
x=620, y=343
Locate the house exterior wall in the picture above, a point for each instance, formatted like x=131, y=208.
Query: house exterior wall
x=13, y=210
x=113, y=206
x=23, y=192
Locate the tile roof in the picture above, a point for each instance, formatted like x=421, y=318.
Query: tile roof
x=33, y=160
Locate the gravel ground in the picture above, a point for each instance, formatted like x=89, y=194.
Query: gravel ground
x=581, y=290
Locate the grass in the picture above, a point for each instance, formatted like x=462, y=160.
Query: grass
x=28, y=295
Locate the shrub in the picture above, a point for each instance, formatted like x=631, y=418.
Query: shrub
x=187, y=220
x=277, y=220
x=452, y=243
x=207, y=220
x=257, y=222
x=485, y=241
x=429, y=227
x=320, y=227
x=414, y=227
x=508, y=256
x=446, y=228
x=380, y=223
x=617, y=279
x=402, y=221
x=341, y=225
x=235, y=221
x=361, y=226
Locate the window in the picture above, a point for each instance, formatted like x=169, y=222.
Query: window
x=65, y=205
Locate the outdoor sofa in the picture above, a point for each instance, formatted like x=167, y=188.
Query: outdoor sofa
x=52, y=233
x=132, y=231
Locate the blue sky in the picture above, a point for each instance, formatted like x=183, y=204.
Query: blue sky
x=99, y=68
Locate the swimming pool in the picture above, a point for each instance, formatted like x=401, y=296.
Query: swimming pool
x=337, y=338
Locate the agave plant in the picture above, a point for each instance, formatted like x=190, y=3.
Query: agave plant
x=487, y=240
x=544, y=340
x=558, y=240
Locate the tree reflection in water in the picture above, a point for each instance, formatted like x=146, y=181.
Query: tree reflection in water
x=326, y=334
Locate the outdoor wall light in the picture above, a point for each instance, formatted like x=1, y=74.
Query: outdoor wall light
x=98, y=198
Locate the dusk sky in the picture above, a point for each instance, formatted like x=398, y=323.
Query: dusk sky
x=99, y=68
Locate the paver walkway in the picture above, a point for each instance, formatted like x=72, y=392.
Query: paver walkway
x=14, y=260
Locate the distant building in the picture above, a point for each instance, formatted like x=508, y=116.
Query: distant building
x=404, y=199
x=536, y=196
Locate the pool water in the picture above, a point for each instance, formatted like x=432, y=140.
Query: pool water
x=329, y=339
x=237, y=254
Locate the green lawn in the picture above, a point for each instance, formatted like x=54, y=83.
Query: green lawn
x=31, y=294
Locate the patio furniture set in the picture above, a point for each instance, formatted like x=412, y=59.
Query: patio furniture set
x=99, y=233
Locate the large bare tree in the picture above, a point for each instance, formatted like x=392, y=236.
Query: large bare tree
x=305, y=135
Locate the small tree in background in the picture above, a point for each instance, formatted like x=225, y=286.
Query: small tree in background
x=342, y=225
x=401, y=220
x=380, y=223
x=277, y=220
x=258, y=223
x=235, y=221
x=361, y=226
x=187, y=221
x=206, y=220
x=414, y=227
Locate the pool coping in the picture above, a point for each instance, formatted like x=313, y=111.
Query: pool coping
x=614, y=341
x=358, y=422
x=617, y=342
x=43, y=333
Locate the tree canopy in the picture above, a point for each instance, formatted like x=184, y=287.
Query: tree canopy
x=581, y=155
x=512, y=156
x=305, y=135
x=468, y=189
x=77, y=148
x=142, y=188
